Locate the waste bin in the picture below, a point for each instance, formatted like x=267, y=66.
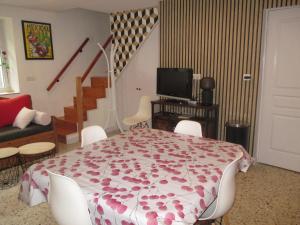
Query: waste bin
x=238, y=132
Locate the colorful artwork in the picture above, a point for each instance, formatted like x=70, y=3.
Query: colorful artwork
x=37, y=40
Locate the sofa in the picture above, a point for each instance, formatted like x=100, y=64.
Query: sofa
x=14, y=137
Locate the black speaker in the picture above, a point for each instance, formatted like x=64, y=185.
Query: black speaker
x=207, y=97
x=207, y=84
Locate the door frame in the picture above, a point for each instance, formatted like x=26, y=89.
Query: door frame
x=262, y=79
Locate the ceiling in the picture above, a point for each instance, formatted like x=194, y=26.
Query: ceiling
x=96, y=5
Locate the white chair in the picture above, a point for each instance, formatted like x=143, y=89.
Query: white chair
x=142, y=116
x=225, y=197
x=67, y=202
x=189, y=127
x=92, y=134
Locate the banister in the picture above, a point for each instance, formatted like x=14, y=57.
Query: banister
x=56, y=79
x=79, y=105
x=92, y=64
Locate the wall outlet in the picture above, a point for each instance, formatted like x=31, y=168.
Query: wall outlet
x=246, y=77
x=196, y=76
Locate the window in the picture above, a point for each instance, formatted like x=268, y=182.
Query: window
x=4, y=67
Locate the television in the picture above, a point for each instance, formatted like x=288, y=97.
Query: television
x=175, y=83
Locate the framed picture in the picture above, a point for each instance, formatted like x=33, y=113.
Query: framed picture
x=37, y=40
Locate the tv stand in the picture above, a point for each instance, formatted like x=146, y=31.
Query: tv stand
x=176, y=101
x=166, y=114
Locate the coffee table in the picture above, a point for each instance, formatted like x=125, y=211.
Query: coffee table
x=35, y=152
x=9, y=167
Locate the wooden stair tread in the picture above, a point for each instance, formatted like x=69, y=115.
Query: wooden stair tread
x=65, y=131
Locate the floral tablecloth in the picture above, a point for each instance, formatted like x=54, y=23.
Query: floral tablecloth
x=144, y=176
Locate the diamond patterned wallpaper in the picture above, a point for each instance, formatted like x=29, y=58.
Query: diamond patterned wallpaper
x=129, y=30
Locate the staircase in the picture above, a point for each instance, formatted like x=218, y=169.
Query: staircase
x=67, y=124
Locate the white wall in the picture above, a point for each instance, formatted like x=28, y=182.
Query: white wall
x=69, y=29
x=139, y=73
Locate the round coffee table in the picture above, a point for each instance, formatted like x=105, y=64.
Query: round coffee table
x=9, y=167
x=35, y=152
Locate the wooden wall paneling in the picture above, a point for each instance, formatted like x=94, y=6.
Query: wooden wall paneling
x=162, y=33
x=222, y=73
x=202, y=16
x=221, y=57
x=169, y=34
x=227, y=65
x=245, y=58
x=165, y=31
x=250, y=47
x=236, y=68
x=176, y=33
x=190, y=34
x=194, y=35
x=210, y=19
x=221, y=39
x=241, y=56
x=257, y=69
x=232, y=70
x=171, y=37
x=215, y=44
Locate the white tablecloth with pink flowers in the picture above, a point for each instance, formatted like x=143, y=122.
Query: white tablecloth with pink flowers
x=144, y=176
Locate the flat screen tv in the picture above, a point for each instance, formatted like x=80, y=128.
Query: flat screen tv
x=175, y=83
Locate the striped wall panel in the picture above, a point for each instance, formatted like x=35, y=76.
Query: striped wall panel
x=219, y=39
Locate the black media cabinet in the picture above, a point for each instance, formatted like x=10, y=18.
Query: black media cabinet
x=166, y=114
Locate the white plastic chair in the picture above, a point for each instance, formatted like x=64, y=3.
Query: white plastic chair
x=92, y=134
x=67, y=202
x=142, y=116
x=188, y=127
x=226, y=194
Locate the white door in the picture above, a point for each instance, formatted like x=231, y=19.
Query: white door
x=278, y=124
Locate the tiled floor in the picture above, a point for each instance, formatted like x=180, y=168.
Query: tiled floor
x=265, y=195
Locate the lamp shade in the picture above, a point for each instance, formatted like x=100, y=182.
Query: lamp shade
x=207, y=83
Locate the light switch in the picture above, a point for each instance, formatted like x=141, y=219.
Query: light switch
x=246, y=77
x=196, y=76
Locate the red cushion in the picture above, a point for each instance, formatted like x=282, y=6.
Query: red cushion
x=10, y=107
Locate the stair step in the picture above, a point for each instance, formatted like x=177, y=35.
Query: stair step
x=71, y=114
x=88, y=103
x=98, y=92
x=68, y=124
x=62, y=134
x=99, y=82
x=61, y=122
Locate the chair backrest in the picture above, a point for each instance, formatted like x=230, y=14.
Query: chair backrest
x=226, y=194
x=189, y=127
x=67, y=202
x=144, y=109
x=92, y=134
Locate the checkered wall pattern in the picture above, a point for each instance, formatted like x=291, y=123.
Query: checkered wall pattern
x=129, y=30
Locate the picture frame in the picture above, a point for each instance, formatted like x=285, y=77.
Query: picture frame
x=37, y=37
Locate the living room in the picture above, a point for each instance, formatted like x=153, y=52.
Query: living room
x=222, y=40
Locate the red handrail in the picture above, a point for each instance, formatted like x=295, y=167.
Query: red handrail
x=56, y=79
x=92, y=64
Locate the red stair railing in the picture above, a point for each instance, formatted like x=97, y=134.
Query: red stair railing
x=99, y=54
x=56, y=79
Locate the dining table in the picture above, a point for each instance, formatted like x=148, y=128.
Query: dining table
x=142, y=176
